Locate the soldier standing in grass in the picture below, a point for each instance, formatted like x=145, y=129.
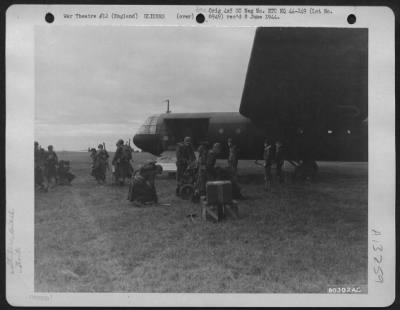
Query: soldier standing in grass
x=122, y=162
x=211, y=161
x=233, y=157
x=185, y=157
x=269, y=157
x=100, y=164
x=202, y=169
x=51, y=162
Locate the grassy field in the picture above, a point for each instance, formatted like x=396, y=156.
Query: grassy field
x=297, y=238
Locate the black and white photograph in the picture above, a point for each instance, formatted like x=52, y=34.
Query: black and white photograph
x=202, y=159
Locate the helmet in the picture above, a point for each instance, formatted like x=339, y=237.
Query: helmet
x=120, y=142
x=100, y=146
x=187, y=140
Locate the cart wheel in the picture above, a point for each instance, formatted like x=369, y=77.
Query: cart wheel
x=186, y=192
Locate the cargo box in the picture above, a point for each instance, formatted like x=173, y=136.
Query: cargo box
x=219, y=192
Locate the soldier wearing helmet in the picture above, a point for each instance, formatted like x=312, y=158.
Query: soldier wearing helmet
x=211, y=161
x=233, y=157
x=100, y=164
x=122, y=162
x=51, y=163
x=185, y=157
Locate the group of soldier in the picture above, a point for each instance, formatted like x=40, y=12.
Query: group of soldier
x=49, y=171
x=204, y=167
x=196, y=171
x=121, y=166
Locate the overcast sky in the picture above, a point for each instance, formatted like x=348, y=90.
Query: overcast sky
x=96, y=84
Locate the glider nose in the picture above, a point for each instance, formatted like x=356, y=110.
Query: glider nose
x=147, y=143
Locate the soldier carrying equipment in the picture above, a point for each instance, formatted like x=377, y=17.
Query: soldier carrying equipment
x=142, y=187
x=64, y=175
x=233, y=157
x=273, y=154
x=211, y=161
x=185, y=157
x=121, y=162
x=100, y=164
x=202, y=170
x=51, y=162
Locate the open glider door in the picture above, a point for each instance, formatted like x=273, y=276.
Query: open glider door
x=177, y=129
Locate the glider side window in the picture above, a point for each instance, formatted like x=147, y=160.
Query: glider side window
x=153, y=124
x=149, y=126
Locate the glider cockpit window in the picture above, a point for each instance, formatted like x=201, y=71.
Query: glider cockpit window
x=150, y=125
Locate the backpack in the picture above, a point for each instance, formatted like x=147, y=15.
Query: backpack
x=126, y=152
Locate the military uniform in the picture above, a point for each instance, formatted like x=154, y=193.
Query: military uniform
x=121, y=162
x=185, y=157
x=100, y=165
x=142, y=187
x=210, y=165
x=63, y=173
x=233, y=160
x=202, y=170
x=233, y=157
x=269, y=157
x=51, y=162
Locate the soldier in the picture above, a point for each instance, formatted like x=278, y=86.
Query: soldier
x=51, y=162
x=279, y=159
x=121, y=162
x=233, y=157
x=100, y=164
x=202, y=172
x=185, y=157
x=269, y=157
x=64, y=175
x=211, y=161
x=39, y=160
x=142, y=187
x=233, y=160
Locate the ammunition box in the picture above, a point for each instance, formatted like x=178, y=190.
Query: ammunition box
x=219, y=192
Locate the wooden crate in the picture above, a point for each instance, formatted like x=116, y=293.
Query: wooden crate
x=219, y=192
x=218, y=212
